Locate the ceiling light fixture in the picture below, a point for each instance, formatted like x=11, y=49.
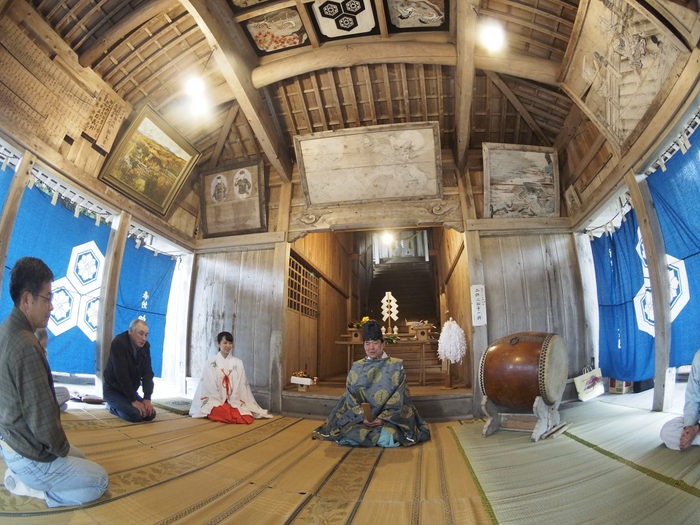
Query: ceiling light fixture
x=491, y=35
x=195, y=90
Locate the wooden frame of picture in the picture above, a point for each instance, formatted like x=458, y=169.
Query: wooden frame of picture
x=520, y=181
x=233, y=199
x=151, y=162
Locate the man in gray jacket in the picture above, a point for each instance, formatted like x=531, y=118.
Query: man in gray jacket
x=40, y=461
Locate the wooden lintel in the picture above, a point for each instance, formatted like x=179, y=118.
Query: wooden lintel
x=522, y=226
x=238, y=242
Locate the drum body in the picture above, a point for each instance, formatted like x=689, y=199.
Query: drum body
x=517, y=368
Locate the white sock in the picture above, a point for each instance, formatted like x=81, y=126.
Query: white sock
x=15, y=486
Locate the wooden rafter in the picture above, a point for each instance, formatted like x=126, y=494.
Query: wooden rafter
x=92, y=54
x=524, y=113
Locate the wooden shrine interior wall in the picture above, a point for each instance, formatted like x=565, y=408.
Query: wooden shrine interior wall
x=233, y=289
x=533, y=283
x=453, y=285
x=70, y=118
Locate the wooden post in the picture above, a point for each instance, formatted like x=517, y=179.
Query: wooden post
x=11, y=205
x=658, y=277
x=108, y=293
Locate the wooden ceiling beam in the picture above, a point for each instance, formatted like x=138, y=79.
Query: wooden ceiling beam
x=524, y=113
x=464, y=77
x=236, y=60
x=339, y=56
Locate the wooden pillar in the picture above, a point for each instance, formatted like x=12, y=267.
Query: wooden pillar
x=279, y=294
x=476, y=336
x=655, y=251
x=108, y=292
x=11, y=206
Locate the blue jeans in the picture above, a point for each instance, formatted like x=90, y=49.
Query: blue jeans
x=72, y=480
x=121, y=407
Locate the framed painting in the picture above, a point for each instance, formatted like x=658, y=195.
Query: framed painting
x=385, y=162
x=233, y=200
x=150, y=163
x=520, y=181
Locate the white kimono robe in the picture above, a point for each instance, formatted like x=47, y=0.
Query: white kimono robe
x=213, y=389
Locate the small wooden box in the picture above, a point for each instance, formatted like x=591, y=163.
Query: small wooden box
x=618, y=386
x=422, y=333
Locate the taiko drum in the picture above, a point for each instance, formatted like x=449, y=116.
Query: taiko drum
x=517, y=368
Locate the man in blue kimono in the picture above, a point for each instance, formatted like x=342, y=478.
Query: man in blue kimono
x=376, y=408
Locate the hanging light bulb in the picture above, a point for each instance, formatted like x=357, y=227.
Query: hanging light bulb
x=491, y=35
x=194, y=86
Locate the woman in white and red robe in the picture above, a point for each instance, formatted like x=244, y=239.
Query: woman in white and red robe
x=223, y=394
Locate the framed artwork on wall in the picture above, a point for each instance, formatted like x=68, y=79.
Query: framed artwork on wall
x=372, y=163
x=520, y=181
x=150, y=163
x=233, y=200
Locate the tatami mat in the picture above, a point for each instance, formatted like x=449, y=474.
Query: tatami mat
x=177, y=469
x=609, y=467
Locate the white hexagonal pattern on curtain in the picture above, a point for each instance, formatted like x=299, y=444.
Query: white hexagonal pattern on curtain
x=76, y=296
x=679, y=290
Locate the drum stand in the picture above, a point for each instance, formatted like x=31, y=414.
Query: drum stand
x=544, y=422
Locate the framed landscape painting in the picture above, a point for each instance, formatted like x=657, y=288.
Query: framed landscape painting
x=233, y=200
x=150, y=163
x=520, y=181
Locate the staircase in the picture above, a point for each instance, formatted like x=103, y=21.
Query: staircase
x=412, y=283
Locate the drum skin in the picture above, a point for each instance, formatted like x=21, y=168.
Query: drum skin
x=517, y=368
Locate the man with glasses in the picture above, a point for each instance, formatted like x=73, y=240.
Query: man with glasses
x=376, y=409
x=40, y=461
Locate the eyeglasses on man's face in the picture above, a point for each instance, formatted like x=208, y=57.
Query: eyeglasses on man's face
x=47, y=298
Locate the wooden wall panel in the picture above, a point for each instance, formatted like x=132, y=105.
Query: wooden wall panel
x=232, y=284
x=533, y=283
x=328, y=255
x=453, y=282
x=332, y=322
x=300, y=344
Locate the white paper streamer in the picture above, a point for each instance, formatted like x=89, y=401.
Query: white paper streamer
x=452, y=345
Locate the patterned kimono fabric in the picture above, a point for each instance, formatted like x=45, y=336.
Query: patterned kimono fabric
x=382, y=384
x=224, y=395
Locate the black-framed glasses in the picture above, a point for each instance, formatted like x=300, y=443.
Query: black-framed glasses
x=49, y=298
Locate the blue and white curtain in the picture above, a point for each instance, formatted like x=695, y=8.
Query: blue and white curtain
x=6, y=175
x=144, y=289
x=626, y=348
x=676, y=196
x=74, y=250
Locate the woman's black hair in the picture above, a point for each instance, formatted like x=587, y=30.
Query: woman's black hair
x=224, y=335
